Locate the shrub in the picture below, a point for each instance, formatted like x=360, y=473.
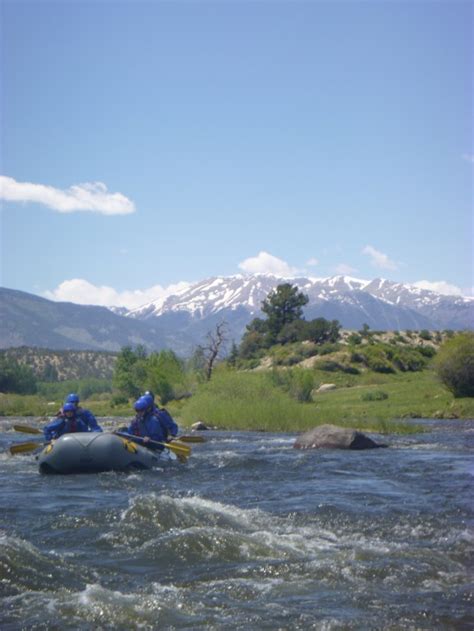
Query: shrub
x=454, y=364
x=16, y=377
x=298, y=382
x=354, y=339
x=350, y=370
x=375, y=395
x=329, y=366
x=328, y=348
x=406, y=359
x=426, y=351
x=376, y=359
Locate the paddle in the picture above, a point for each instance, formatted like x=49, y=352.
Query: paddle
x=22, y=448
x=26, y=429
x=189, y=439
x=179, y=450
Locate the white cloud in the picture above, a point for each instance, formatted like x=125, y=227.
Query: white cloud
x=379, y=259
x=344, y=269
x=312, y=262
x=82, y=292
x=469, y=157
x=91, y=196
x=267, y=264
x=440, y=287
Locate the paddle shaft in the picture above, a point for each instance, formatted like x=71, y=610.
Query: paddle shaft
x=27, y=429
x=182, y=450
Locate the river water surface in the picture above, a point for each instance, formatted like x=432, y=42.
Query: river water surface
x=249, y=534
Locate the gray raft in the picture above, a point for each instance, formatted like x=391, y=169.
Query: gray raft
x=93, y=452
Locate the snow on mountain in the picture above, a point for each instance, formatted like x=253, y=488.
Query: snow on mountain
x=223, y=294
x=213, y=295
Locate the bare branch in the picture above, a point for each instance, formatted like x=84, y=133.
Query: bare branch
x=216, y=342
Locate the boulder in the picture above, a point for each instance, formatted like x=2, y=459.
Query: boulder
x=325, y=387
x=334, y=437
x=199, y=425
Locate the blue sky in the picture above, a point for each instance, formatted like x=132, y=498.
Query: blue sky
x=150, y=144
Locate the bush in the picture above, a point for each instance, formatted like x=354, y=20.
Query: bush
x=15, y=377
x=329, y=366
x=118, y=399
x=454, y=364
x=406, y=359
x=350, y=370
x=426, y=351
x=376, y=359
x=298, y=382
x=328, y=348
x=354, y=339
x=375, y=395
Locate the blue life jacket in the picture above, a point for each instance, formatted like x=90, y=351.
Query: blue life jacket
x=148, y=425
x=166, y=420
x=83, y=421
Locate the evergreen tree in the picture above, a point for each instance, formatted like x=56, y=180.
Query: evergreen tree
x=283, y=306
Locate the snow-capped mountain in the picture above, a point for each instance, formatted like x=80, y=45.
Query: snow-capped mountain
x=380, y=303
x=183, y=320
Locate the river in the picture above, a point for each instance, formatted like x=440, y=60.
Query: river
x=249, y=534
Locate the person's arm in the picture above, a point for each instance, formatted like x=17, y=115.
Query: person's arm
x=154, y=431
x=91, y=421
x=168, y=421
x=53, y=429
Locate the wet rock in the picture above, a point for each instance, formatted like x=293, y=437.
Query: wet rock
x=199, y=425
x=334, y=437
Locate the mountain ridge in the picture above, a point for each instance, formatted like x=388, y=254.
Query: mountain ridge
x=229, y=292
x=182, y=321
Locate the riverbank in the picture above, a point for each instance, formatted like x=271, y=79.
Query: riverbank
x=249, y=400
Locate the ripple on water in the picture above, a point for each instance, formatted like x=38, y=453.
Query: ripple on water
x=250, y=534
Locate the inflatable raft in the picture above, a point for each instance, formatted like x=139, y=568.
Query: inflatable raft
x=94, y=452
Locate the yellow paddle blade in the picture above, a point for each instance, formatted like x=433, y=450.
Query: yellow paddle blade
x=24, y=447
x=26, y=429
x=179, y=450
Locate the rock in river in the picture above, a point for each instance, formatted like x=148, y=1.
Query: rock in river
x=334, y=437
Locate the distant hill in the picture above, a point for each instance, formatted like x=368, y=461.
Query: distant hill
x=51, y=365
x=28, y=320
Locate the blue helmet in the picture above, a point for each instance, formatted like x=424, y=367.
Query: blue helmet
x=149, y=393
x=143, y=403
x=69, y=407
x=72, y=398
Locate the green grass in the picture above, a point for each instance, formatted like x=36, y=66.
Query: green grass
x=253, y=400
x=410, y=395
x=250, y=401
x=34, y=405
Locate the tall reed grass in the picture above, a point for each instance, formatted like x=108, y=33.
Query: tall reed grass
x=251, y=401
